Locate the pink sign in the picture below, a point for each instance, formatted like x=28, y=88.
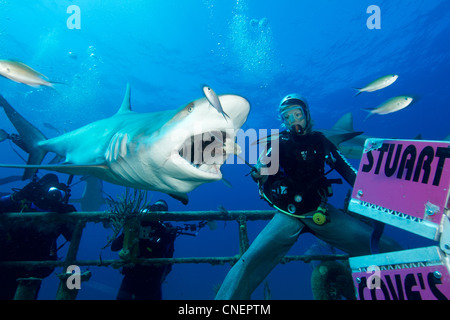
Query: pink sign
x=421, y=283
x=408, y=176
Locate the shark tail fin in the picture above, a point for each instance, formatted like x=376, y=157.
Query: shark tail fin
x=358, y=91
x=31, y=137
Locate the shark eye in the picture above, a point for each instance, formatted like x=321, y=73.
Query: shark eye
x=190, y=108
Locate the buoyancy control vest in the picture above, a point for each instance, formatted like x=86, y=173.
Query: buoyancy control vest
x=300, y=185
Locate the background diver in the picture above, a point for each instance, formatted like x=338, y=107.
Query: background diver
x=28, y=240
x=156, y=240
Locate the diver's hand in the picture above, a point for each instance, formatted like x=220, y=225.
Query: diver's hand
x=257, y=176
x=28, y=192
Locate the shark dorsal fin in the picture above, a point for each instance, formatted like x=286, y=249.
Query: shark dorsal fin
x=345, y=123
x=126, y=106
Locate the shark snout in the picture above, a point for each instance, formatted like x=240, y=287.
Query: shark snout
x=236, y=107
x=201, y=141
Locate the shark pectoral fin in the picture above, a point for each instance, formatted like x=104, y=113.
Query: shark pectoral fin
x=62, y=168
x=354, y=134
x=339, y=138
x=180, y=197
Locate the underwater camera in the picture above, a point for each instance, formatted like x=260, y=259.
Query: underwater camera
x=49, y=193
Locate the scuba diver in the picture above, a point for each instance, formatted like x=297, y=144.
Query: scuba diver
x=156, y=240
x=299, y=191
x=28, y=240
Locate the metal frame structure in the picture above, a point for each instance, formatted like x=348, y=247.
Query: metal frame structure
x=28, y=287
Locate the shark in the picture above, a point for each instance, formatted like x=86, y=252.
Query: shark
x=352, y=147
x=349, y=142
x=92, y=198
x=149, y=151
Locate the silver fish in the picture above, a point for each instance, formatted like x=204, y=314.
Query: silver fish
x=378, y=84
x=213, y=99
x=21, y=73
x=392, y=105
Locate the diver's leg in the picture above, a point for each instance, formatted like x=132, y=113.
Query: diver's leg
x=349, y=234
x=262, y=256
x=125, y=290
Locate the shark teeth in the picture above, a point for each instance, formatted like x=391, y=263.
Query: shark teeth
x=206, y=151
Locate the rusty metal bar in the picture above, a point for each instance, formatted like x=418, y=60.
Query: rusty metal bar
x=162, y=261
x=95, y=216
x=81, y=218
x=63, y=292
x=241, y=216
x=243, y=235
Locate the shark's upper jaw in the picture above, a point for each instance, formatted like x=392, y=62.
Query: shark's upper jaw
x=200, y=141
x=206, y=152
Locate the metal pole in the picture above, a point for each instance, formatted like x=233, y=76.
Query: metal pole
x=162, y=261
x=65, y=293
x=27, y=289
x=94, y=216
x=243, y=236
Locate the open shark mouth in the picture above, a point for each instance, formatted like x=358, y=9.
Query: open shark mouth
x=205, y=151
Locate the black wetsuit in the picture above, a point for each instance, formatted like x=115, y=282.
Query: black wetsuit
x=142, y=282
x=27, y=241
x=300, y=184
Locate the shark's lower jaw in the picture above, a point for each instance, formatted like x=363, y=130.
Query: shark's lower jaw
x=205, y=152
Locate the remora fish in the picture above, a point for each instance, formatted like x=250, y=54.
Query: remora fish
x=138, y=150
x=213, y=100
x=21, y=73
x=378, y=84
x=392, y=105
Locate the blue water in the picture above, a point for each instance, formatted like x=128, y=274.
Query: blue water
x=261, y=50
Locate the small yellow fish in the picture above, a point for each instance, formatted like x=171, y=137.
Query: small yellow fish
x=391, y=105
x=378, y=84
x=21, y=73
